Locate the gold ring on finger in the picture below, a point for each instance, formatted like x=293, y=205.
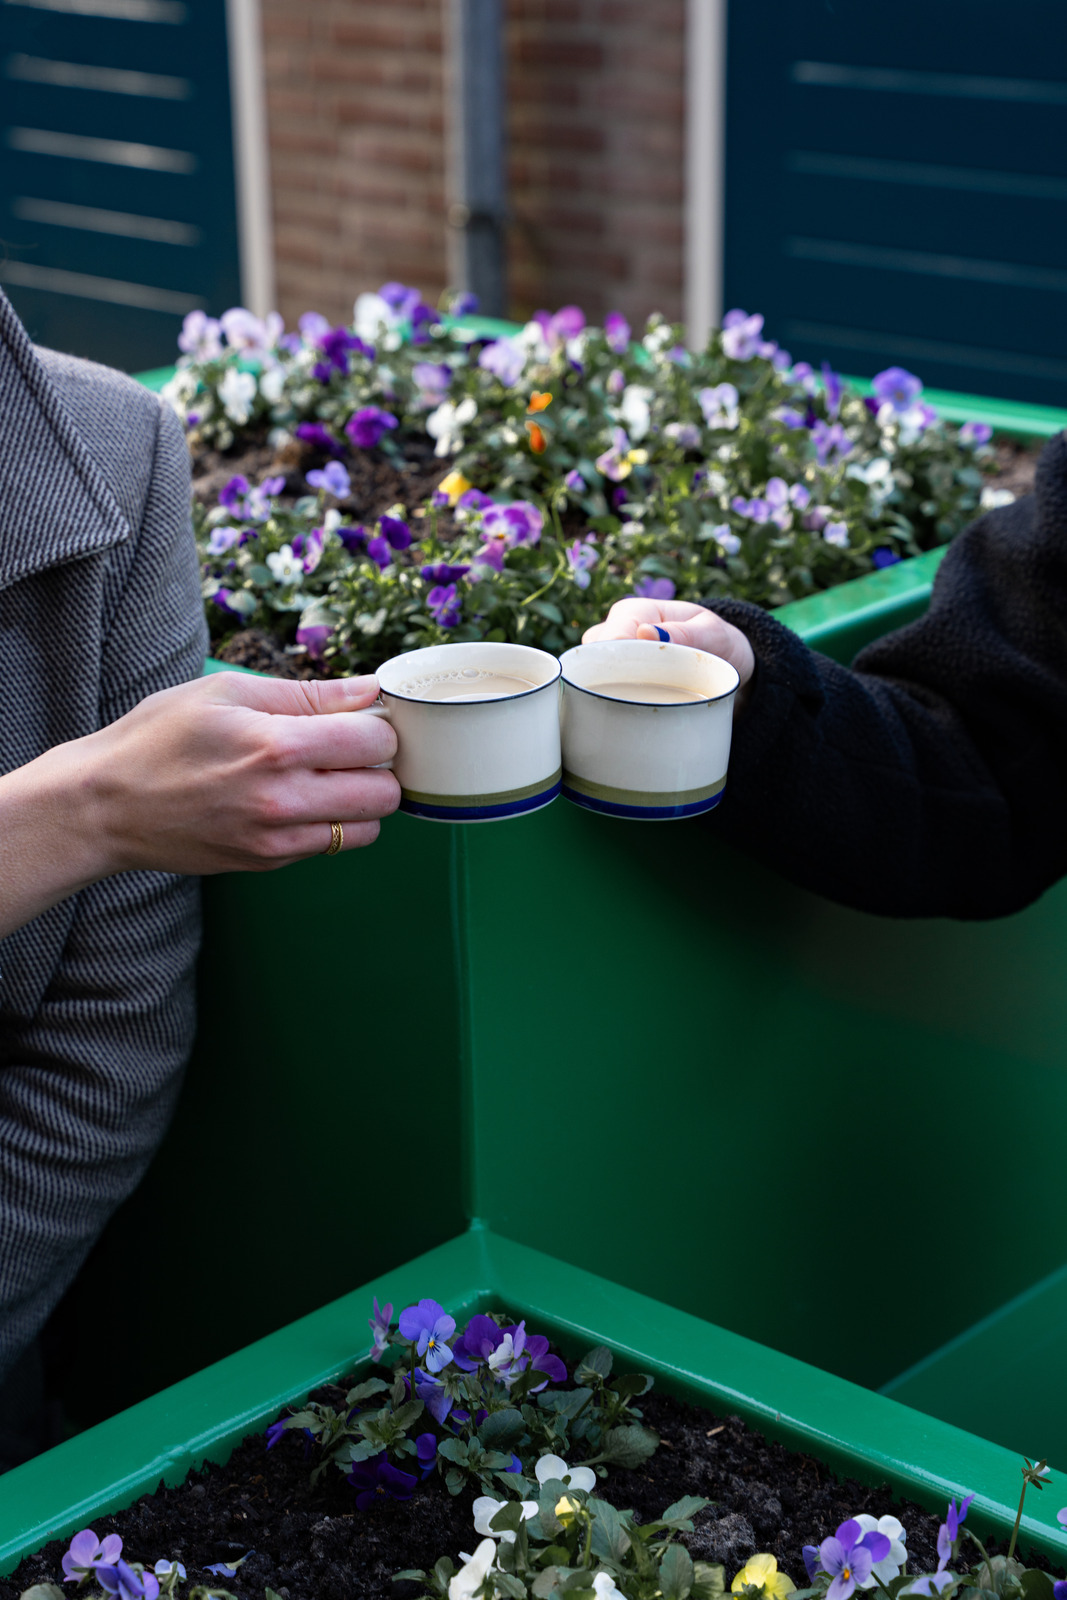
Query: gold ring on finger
x=337, y=839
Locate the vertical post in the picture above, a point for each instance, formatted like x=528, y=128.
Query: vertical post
x=705, y=165
x=255, y=231
x=477, y=200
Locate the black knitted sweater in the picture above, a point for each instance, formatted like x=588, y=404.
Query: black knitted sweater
x=930, y=779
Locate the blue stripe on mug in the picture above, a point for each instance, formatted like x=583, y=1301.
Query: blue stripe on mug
x=612, y=808
x=479, y=808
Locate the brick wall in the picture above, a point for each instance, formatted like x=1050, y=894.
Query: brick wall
x=356, y=109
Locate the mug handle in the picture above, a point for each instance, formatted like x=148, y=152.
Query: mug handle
x=378, y=710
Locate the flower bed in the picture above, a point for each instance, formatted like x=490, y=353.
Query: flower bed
x=424, y=477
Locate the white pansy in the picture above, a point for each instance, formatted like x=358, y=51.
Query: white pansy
x=658, y=338
x=554, y=1467
x=286, y=567
x=470, y=1577
x=180, y=389
x=372, y=316
x=237, y=392
x=836, y=533
x=886, y=1570
x=271, y=384
x=446, y=425
x=635, y=410
x=992, y=498
x=719, y=405
x=605, y=1587
x=485, y=1509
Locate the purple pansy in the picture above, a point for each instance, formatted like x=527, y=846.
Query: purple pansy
x=321, y=438
x=465, y=304
x=200, y=337
x=574, y=481
x=975, y=433
x=434, y=1396
x=274, y=1432
x=379, y=551
x=334, y=345
x=315, y=636
x=233, y=493
x=477, y=1342
x=830, y=439
x=221, y=540
x=379, y=1477
x=379, y=1327
x=849, y=1556
x=582, y=557
x=956, y=1516
x=367, y=426
x=354, y=539
x=429, y=1327
x=558, y=327
x=228, y=1569
x=121, y=1580
x=432, y=379
x=426, y=1451
x=87, y=1552
x=395, y=531
x=443, y=572
x=308, y=548
x=331, y=479
x=616, y=381
x=654, y=589
x=617, y=332
x=474, y=500
x=505, y=359
x=444, y=605
x=1059, y=1589
x=222, y=598
x=883, y=557
x=833, y=389
x=518, y=521
x=741, y=335
x=810, y=1553
x=900, y=388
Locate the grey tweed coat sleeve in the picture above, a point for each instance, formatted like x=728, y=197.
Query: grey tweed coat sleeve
x=99, y=606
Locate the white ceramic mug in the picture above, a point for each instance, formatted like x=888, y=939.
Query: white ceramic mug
x=473, y=760
x=628, y=758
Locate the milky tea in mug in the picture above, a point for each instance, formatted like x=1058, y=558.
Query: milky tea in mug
x=645, y=728
x=477, y=729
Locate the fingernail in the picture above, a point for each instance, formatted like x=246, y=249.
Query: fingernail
x=662, y=633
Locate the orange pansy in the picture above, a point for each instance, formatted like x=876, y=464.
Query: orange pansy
x=540, y=400
x=538, y=442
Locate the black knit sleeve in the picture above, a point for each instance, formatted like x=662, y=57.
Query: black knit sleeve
x=930, y=779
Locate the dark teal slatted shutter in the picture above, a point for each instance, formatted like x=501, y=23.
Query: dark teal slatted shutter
x=896, y=186
x=117, y=190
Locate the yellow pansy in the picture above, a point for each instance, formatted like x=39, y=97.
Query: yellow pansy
x=454, y=485
x=761, y=1572
x=565, y=1507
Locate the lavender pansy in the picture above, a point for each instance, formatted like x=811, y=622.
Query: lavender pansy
x=654, y=589
x=582, y=558
x=444, y=605
x=121, y=1580
x=379, y=1327
x=898, y=387
x=87, y=1552
x=741, y=335
x=331, y=479
x=428, y=1326
x=617, y=332
x=848, y=1557
x=505, y=359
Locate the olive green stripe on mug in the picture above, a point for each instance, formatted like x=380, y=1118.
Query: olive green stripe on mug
x=641, y=797
x=502, y=797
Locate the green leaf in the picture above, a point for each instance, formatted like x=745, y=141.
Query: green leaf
x=453, y=1450
x=363, y=1391
x=443, y=1571
x=682, y=1510
x=610, y=1540
x=709, y=1581
x=409, y=1575
x=454, y=1480
x=546, y=609
x=272, y=1594
x=628, y=1446
x=633, y=1384
x=508, y=1518
x=564, y=1402
x=547, y=1582
x=363, y=1449
x=597, y=1364
x=676, y=1573
x=507, y=1583
x=42, y=1591
x=261, y=575
x=304, y=1419
x=502, y=1429
x=1036, y=1585
x=407, y=1414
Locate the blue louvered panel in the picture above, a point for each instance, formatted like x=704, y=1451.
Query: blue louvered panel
x=896, y=186
x=117, y=208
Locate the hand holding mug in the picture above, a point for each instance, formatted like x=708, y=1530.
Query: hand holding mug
x=680, y=622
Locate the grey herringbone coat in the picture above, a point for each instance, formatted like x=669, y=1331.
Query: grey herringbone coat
x=99, y=606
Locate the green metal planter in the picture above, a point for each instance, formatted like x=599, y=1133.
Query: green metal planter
x=204, y=1417
x=398, y=1011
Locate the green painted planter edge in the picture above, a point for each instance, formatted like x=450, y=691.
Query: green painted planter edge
x=202, y=1418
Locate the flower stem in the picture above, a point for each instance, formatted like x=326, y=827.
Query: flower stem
x=1018, y=1519
x=545, y=586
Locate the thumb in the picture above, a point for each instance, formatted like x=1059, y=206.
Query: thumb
x=286, y=697
x=694, y=634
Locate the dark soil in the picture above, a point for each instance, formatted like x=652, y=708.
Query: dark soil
x=312, y=1543
x=1015, y=466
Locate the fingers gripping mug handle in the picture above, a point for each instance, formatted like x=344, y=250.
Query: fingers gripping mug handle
x=378, y=710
